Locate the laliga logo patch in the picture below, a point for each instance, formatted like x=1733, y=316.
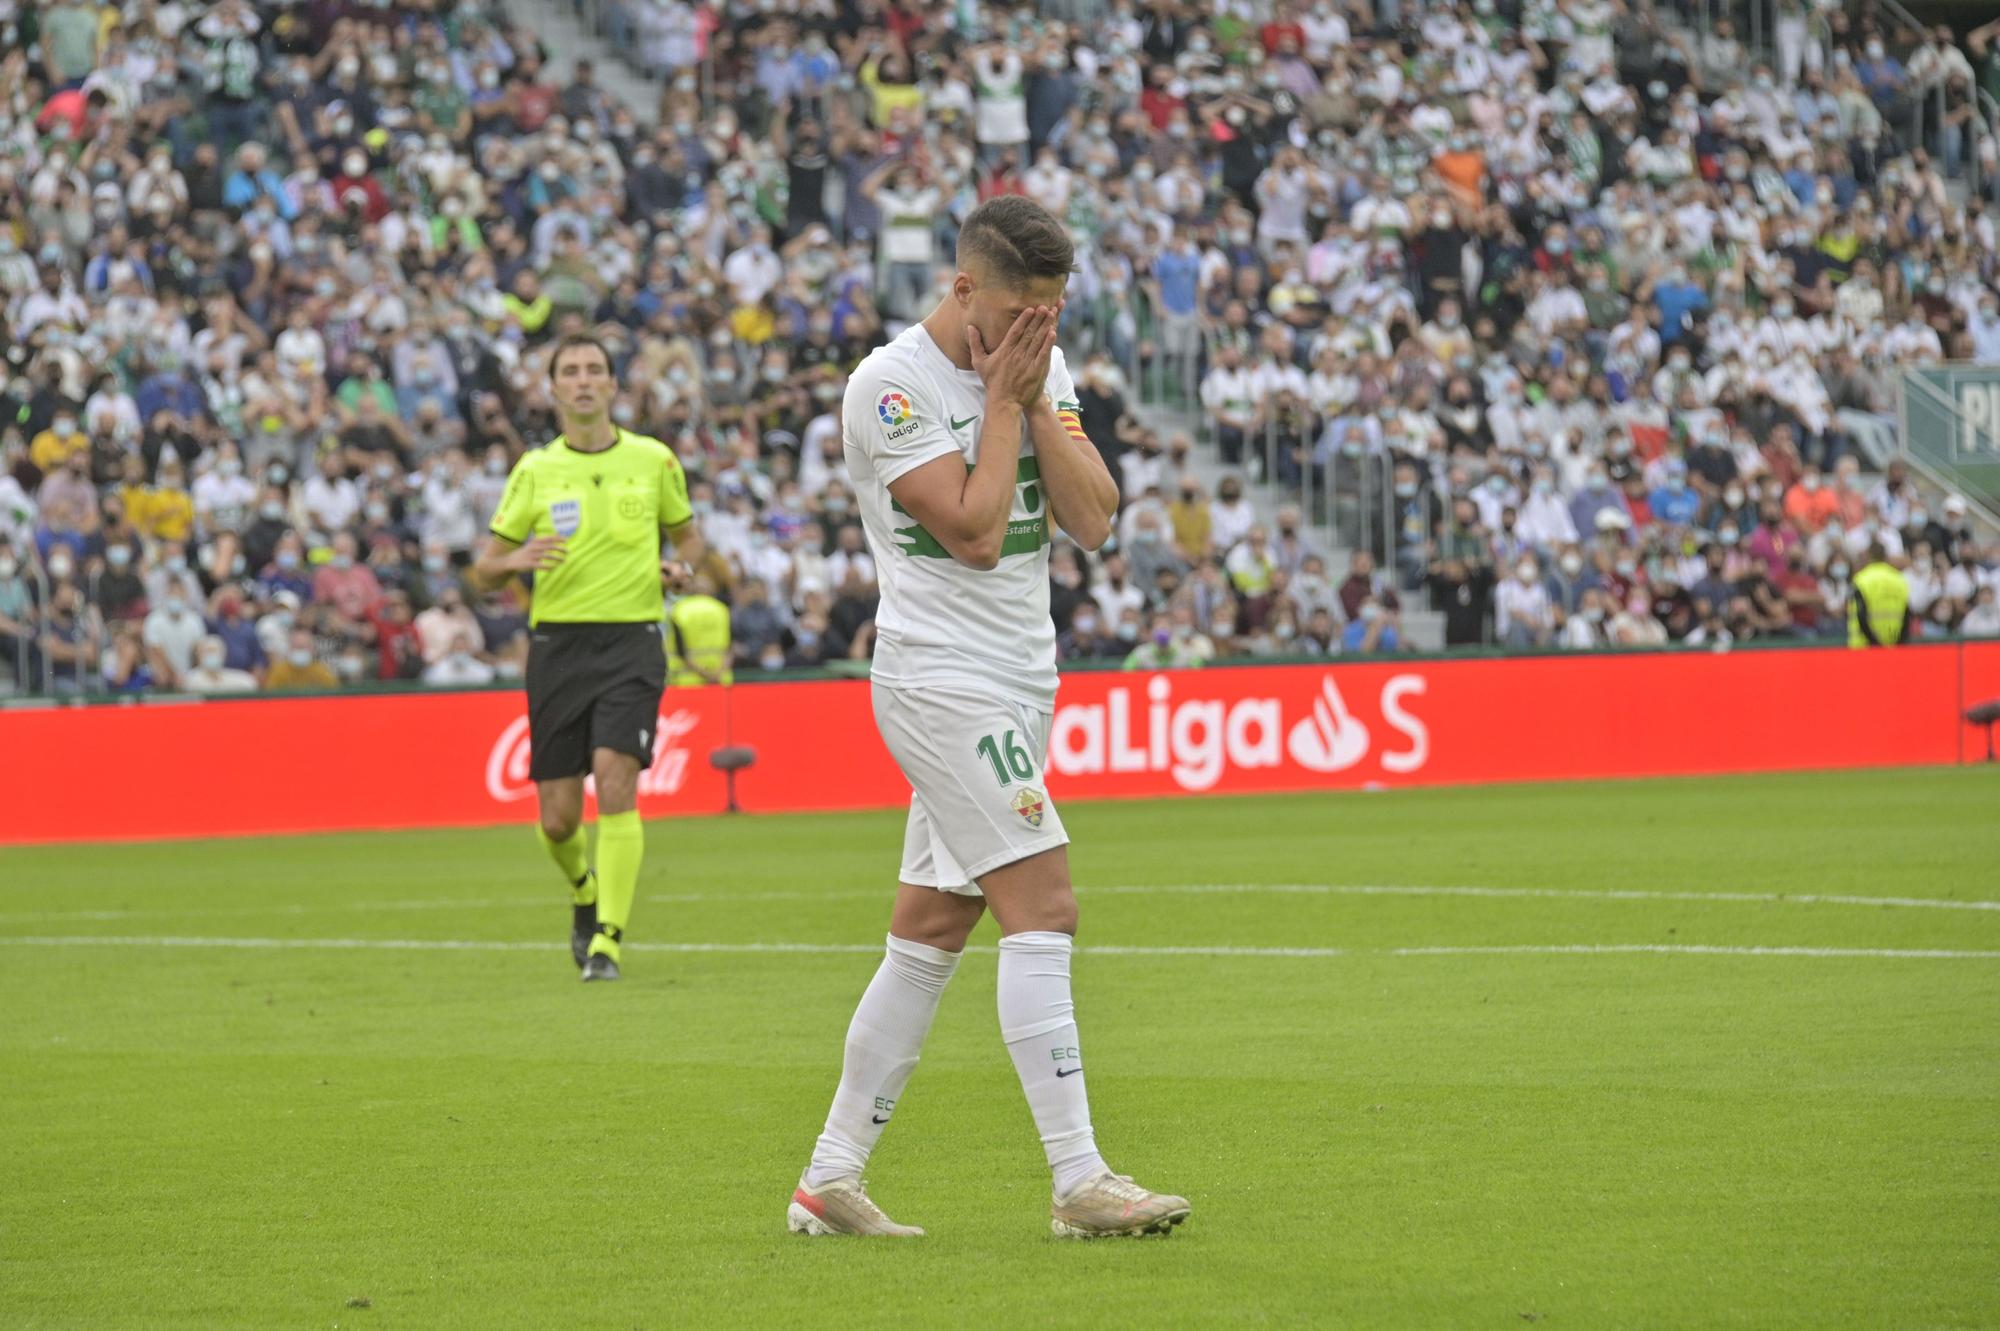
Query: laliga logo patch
x=894, y=408
x=1028, y=803
x=897, y=415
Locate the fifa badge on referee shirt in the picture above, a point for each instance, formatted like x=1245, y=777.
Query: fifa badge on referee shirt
x=566, y=515
x=1028, y=803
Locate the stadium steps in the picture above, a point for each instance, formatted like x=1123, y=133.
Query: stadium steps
x=1423, y=628
x=569, y=38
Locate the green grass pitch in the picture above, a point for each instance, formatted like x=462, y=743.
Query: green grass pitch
x=296, y=1133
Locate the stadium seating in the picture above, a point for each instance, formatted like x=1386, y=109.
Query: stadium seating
x=1539, y=326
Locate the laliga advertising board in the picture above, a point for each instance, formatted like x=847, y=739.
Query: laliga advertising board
x=461, y=759
x=1135, y=737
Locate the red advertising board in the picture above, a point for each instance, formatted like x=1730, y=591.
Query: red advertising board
x=271, y=765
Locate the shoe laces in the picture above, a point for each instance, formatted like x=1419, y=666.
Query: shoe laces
x=1121, y=1187
x=860, y=1190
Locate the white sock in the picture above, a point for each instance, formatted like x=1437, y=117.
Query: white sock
x=883, y=1041
x=1038, y=1022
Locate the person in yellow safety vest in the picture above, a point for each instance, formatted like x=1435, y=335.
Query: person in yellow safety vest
x=1879, y=608
x=698, y=638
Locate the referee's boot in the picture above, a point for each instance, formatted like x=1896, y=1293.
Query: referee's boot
x=583, y=924
x=600, y=964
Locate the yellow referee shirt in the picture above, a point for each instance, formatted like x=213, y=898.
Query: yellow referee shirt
x=609, y=508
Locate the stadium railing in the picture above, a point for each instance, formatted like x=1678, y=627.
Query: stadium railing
x=858, y=670
x=1950, y=419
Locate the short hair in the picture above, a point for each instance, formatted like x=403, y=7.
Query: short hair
x=1016, y=241
x=574, y=340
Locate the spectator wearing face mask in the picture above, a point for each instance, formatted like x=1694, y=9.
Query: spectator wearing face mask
x=1523, y=614
x=1229, y=397
x=346, y=584
x=1983, y=619
x=1230, y=516
x=1142, y=468
x=164, y=510
x=120, y=593
x=1673, y=502
x=67, y=503
x=1251, y=566
x=1464, y=593
x=1117, y=594
x=460, y=666
x=224, y=498
x=1085, y=638
x=212, y=674
x=1810, y=504
x=1373, y=629
x=171, y=632
x=1585, y=630
x=299, y=667
x=55, y=446
x=1983, y=327
x=1161, y=649
x=444, y=623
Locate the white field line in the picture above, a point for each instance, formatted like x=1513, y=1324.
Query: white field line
x=1693, y=950
x=554, y=898
x=833, y=949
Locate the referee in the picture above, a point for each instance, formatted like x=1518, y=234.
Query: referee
x=583, y=515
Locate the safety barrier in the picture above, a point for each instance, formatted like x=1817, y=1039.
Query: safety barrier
x=334, y=763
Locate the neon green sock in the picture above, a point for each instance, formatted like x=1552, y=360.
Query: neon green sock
x=621, y=844
x=573, y=858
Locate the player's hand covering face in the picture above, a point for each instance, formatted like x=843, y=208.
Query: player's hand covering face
x=1017, y=370
x=993, y=309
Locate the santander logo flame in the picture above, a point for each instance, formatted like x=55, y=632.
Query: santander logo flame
x=1330, y=740
x=507, y=776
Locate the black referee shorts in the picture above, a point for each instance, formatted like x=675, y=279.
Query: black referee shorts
x=592, y=686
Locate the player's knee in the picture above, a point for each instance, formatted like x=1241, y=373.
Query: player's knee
x=560, y=824
x=1059, y=914
x=1054, y=913
x=617, y=795
x=617, y=780
x=945, y=933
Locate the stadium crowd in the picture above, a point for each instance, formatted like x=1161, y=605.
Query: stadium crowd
x=1579, y=298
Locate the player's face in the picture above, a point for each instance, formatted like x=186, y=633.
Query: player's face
x=992, y=308
x=583, y=383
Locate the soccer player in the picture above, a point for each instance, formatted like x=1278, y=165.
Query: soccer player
x=584, y=514
x=963, y=443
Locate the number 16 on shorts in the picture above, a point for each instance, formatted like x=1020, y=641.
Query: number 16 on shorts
x=1010, y=761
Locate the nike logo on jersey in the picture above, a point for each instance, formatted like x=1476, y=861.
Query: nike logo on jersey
x=960, y=425
x=877, y=1118
x=1067, y=1072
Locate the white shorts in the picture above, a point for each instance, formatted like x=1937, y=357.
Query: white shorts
x=974, y=762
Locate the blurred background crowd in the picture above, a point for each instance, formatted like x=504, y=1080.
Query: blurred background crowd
x=1564, y=324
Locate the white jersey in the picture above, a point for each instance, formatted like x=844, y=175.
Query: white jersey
x=939, y=621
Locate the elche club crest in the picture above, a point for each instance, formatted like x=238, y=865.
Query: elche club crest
x=1028, y=803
